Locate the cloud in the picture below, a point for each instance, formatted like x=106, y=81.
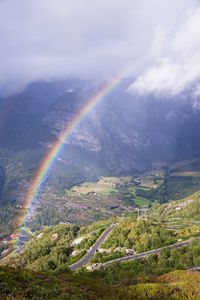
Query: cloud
x=44, y=39
x=176, y=67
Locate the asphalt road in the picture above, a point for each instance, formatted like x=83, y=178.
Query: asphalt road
x=85, y=260
x=145, y=254
x=195, y=269
x=166, y=211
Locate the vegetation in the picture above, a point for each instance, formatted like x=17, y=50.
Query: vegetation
x=166, y=261
x=182, y=186
x=161, y=276
x=8, y=215
x=24, y=284
x=52, y=248
x=140, y=236
x=104, y=257
x=3, y=247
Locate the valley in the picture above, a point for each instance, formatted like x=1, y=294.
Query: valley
x=99, y=223
x=110, y=196
x=130, y=170
x=99, y=150
x=114, y=141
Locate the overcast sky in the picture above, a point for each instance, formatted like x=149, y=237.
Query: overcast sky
x=158, y=41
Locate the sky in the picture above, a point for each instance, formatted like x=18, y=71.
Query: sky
x=157, y=41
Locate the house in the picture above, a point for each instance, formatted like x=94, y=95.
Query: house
x=14, y=236
x=178, y=208
x=75, y=252
x=101, y=250
x=27, y=219
x=6, y=239
x=4, y=252
x=130, y=252
x=19, y=206
x=119, y=249
x=93, y=266
x=54, y=236
x=39, y=235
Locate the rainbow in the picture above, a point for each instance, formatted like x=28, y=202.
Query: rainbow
x=43, y=170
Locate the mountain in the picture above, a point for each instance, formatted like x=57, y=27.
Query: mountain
x=123, y=135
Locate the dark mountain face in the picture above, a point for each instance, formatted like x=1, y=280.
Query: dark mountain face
x=128, y=133
x=123, y=134
x=22, y=112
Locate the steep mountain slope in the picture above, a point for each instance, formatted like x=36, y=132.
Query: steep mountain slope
x=124, y=134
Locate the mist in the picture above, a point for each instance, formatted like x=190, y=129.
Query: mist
x=46, y=39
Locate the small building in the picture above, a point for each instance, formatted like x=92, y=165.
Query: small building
x=54, y=236
x=93, y=266
x=101, y=250
x=39, y=235
x=178, y=207
x=75, y=252
x=14, y=236
x=27, y=219
x=130, y=252
x=19, y=206
x=6, y=239
x=119, y=249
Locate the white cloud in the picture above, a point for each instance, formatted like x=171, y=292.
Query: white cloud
x=41, y=39
x=176, y=67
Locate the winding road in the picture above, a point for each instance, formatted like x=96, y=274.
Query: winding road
x=85, y=260
x=145, y=254
x=166, y=211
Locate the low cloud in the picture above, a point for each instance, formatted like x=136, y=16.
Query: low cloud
x=44, y=39
x=177, y=66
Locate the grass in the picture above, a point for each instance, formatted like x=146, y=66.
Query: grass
x=144, y=188
x=182, y=186
x=105, y=185
x=187, y=173
x=149, y=184
x=183, y=163
x=134, y=189
x=141, y=201
x=21, y=284
x=108, y=190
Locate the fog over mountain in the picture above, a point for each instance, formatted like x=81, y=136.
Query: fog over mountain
x=56, y=55
x=177, y=66
x=45, y=39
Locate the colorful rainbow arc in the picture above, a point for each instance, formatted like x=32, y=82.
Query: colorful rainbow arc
x=47, y=162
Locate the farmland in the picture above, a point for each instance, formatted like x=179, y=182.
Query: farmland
x=104, y=185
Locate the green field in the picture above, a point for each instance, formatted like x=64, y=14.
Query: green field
x=184, y=178
x=125, y=187
x=104, y=185
x=141, y=201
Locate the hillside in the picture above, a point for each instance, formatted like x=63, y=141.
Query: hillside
x=114, y=139
x=57, y=247
x=50, y=250
x=46, y=260
x=20, y=284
